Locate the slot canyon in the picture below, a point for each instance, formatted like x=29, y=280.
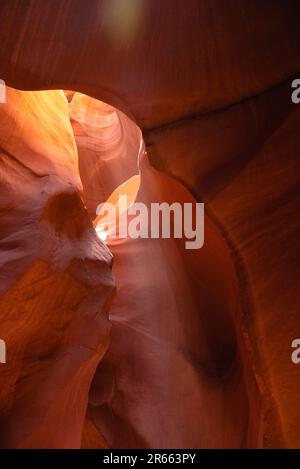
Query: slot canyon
x=142, y=343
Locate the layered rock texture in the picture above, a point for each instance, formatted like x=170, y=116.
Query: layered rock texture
x=56, y=282
x=194, y=350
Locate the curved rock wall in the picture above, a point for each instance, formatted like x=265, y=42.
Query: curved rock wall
x=208, y=82
x=56, y=283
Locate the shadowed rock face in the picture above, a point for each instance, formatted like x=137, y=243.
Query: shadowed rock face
x=171, y=342
x=208, y=83
x=174, y=60
x=187, y=381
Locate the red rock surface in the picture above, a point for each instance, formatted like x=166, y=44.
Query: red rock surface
x=173, y=375
x=208, y=82
x=108, y=144
x=56, y=282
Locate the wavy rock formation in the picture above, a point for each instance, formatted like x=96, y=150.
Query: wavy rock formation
x=187, y=382
x=56, y=283
x=159, y=283
x=200, y=344
x=108, y=144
